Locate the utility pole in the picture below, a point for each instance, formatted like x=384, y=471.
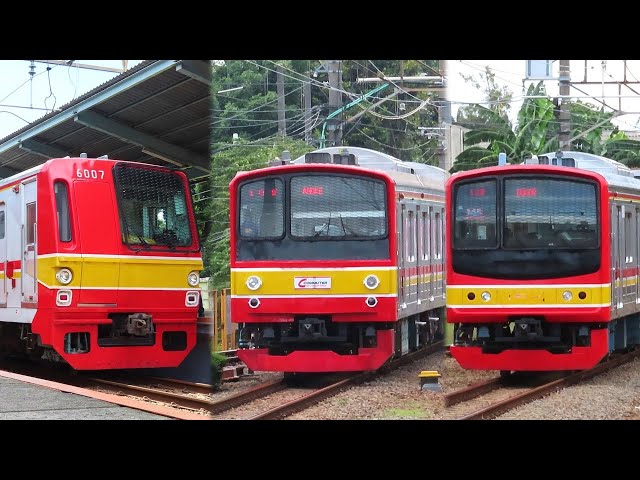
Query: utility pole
x=444, y=118
x=282, y=121
x=334, y=126
x=306, y=92
x=564, y=117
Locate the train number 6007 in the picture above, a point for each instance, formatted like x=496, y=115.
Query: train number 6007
x=87, y=173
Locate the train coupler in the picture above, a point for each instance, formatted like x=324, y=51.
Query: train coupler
x=139, y=324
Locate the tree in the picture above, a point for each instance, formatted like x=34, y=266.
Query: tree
x=498, y=98
x=251, y=112
x=393, y=127
x=537, y=132
x=622, y=149
x=529, y=137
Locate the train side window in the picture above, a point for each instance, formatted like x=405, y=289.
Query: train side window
x=628, y=238
x=31, y=221
x=636, y=240
x=411, y=252
x=405, y=237
x=420, y=234
x=2, y=227
x=62, y=208
x=429, y=234
x=438, y=235
x=424, y=233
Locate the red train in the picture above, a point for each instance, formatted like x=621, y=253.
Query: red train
x=542, y=264
x=100, y=263
x=336, y=260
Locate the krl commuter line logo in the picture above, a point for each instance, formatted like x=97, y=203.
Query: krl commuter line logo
x=311, y=282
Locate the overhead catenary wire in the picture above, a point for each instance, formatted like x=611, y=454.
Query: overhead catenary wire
x=222, y=119
x=303, y=79
x=51, y=94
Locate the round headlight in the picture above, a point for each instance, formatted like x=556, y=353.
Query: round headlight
x=253, y=282
x=193, y=279
x=486, y=296
x=567, y=295
x=371, y=282
x=64, y=276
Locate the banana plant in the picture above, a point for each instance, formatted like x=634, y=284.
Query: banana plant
x=537, y=131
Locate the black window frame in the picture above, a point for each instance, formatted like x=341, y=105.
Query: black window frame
x=249, y=181
x=452, y=227
x=563, y=178
x=501, y=209
x=195, y=244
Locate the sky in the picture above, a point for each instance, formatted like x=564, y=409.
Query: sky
x=25, y=98
x=512, y=73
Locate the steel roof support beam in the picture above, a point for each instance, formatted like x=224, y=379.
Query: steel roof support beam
x=151, y=145
x=127, y=83
x=196, y=69
x=43, y=149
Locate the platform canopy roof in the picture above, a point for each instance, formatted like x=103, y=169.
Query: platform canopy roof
x=157, y=112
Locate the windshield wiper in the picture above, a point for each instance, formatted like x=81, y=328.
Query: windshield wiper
x=344, y=230
x=142, y=240
x=324, y=227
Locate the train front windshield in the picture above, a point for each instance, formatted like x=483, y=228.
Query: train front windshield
x=518, y=226
x=153, y=208
x=314, y=216
x=337, y=207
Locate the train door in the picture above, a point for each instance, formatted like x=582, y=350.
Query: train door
x=438, y=291
x=425, y=254
x=443, y=253
x=401, y=257
x=3, y=255
x=636, y=262
x=412, y=258
x=419, y=254
x=29, y=272
x=616, y=264
x=630, y=255
x=432, y=255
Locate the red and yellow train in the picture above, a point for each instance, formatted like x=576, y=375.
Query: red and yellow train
x=99, y=264
x=336, y=260
x=542, y=264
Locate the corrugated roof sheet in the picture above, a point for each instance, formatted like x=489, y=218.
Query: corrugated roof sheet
x=170, y=106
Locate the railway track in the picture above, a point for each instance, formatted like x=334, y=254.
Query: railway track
x=171, y=393
x=490, y=399
x=186, y=400
x=291, y=396
x=172, y=398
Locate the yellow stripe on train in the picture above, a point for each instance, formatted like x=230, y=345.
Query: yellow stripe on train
x=528, y=295
x=313, y=282
x=114, y=272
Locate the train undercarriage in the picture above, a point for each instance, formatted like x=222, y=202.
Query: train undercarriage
x=531, y=344
x=315, y=343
